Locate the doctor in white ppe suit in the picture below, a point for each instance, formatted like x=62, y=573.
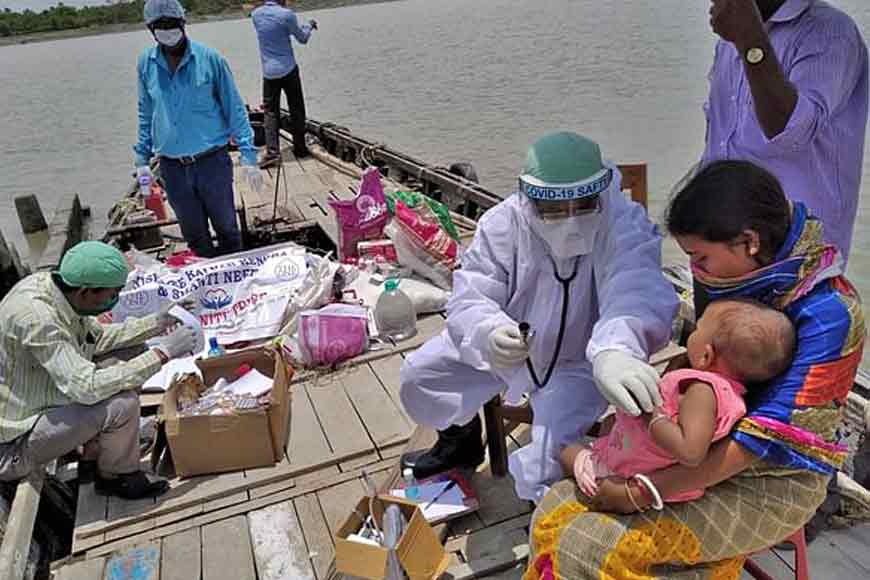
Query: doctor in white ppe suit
x=577, y=261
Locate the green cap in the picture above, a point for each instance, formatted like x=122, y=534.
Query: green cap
x=391, y=284
x=94, y=265
x=564, y=166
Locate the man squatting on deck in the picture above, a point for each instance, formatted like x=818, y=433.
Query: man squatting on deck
x=275, y=25
x=189, y=107
x=53, y=398
x=572, y=257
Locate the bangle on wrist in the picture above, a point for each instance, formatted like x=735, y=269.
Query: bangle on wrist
x=645, y=481
x=645, y=494
x=631, y=497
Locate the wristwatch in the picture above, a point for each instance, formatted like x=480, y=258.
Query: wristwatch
x=754, y=55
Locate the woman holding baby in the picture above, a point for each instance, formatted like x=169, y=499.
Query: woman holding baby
x=739, y=455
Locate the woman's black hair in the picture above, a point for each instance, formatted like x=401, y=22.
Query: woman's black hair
x=726, y=198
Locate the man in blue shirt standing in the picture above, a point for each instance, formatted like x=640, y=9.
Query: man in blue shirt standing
x=189, y=108
x=275, y=24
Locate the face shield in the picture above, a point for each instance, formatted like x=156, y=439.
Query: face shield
x=555, y=202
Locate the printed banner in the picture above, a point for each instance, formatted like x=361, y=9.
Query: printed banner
x=239, y=297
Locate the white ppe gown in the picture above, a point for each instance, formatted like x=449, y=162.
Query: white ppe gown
x=618, y=299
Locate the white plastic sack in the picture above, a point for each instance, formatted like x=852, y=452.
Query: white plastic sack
x=418, y=259
x=426, y=297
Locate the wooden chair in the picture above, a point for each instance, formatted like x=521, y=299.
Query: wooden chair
x=801, y=562
x=495, y=413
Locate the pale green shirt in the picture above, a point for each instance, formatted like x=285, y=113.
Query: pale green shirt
x=46, y=352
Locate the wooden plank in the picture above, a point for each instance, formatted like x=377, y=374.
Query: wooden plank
x=162, y=531
x=338, y=501
x=382, y=419
x=480, y=543
x=316, y=532
x=19, y=526
x=498, y=501
x=484, y=567
x=343, y=428
x=137, y=563
x=226, y=550
x=307, y=442
x=91, y=509
x=183, y=493
x=388, y=372
x=181, y=557
x=279, y=547
x=85, y=570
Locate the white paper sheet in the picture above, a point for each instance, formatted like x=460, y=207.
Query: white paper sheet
x=448, y=504
x=253, y=384
x=159, y=382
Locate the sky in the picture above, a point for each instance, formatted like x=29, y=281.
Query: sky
x=40, y=5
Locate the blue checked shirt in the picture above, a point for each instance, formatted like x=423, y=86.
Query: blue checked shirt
x=275, y=25
x=196, y=109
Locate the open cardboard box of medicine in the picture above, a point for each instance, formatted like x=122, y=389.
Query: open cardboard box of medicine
x=419, y=550
x=251, y=438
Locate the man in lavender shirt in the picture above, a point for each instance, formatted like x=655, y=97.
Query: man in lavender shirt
x=788, y=91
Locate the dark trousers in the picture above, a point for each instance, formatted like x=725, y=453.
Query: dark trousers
x=201, y=192
x=291, y=84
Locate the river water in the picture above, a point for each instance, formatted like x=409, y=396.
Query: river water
x=446, y=81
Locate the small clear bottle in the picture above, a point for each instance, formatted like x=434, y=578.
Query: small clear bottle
x=394, y=312
x=144, y=186
x=411, y=491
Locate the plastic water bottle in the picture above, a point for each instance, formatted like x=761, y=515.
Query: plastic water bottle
x=214, y=349
x=394, y=312
x=411, y=491
x=144, y=186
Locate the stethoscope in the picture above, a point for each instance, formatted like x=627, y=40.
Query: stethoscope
x=566, y=286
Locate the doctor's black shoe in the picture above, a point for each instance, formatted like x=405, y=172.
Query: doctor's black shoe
x=456, y=447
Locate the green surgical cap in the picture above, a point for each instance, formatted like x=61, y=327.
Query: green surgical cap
x=94, y=265
x=563, y=157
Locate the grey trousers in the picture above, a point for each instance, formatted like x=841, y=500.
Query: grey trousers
x=111, y=425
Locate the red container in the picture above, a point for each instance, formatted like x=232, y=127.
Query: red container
x=155, y=203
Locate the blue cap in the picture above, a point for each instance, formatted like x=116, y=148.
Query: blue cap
x=156, y=9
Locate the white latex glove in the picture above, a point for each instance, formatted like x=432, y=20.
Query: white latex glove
x=253, y=177
x=506, y=347
x=178, y=343
x=626, y=382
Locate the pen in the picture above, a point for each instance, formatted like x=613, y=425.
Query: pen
x=447, y=488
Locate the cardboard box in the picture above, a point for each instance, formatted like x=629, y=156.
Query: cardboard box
x=419, y=549
x=256, y=438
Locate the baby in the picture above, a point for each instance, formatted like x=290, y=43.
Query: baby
x=735, y=342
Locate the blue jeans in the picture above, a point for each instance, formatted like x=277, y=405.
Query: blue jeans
x=203, y=192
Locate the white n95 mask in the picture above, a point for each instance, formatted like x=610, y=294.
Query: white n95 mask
x=170, y=37
x=568, y=237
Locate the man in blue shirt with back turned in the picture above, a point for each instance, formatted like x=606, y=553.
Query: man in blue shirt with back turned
x=189, y=108
x=275, y=24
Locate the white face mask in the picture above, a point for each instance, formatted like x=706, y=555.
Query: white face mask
x=170, y=37
x=568, y=237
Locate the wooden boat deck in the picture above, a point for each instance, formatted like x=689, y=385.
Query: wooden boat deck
x=279, y=522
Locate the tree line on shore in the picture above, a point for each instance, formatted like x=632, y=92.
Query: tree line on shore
x=63, y=17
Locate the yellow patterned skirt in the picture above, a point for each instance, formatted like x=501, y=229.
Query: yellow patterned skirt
x=708, y=538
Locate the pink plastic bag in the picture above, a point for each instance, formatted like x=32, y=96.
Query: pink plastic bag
x=333, y=334
x=362, y=218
